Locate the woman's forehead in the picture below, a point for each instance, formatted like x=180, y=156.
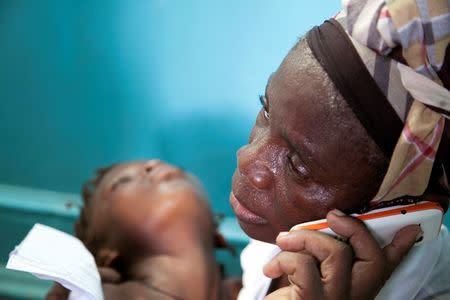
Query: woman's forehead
x=304, y=108
x=297, y=98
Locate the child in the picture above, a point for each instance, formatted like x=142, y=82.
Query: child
x=151, y=231
x=327, y=141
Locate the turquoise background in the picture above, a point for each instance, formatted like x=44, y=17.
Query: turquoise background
x=84, y=84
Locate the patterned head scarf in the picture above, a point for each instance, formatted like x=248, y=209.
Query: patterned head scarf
x=402, y=104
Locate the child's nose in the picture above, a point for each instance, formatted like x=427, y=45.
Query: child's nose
x=151, y=164
x=251, y=165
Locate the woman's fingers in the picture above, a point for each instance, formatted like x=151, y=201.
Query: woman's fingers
x=318, y=262
x=402, y=242
x=369, y=265
x=334, y=258
x=364, y=245
x=280, y=294
x=303, y=273
x=320, y=245
x=372, y=265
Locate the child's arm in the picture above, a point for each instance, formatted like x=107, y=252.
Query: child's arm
x=108, y=276
x=132, y=290
x=57, y=292
x=231, y=287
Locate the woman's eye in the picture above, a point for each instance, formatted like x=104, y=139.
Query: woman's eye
x=297, y=166
x=265, y=106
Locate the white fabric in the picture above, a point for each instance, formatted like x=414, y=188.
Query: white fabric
x=253, y=258
x=51, y=254
x=424, y=273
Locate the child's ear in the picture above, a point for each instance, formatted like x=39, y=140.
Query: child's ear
x=221, y=243
x=106, y=257
x=105, y=260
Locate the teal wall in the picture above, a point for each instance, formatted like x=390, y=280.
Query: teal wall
x=87, y=83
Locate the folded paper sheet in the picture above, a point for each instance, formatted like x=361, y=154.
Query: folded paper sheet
x=54, y=255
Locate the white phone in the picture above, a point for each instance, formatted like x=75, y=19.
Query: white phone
x=383, y=223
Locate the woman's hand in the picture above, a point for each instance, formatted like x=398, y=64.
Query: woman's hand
x=322, y=267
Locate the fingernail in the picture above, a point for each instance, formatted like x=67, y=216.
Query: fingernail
x=283, y=233
x=338, y=213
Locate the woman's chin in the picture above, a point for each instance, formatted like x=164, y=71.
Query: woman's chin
x=259, y=232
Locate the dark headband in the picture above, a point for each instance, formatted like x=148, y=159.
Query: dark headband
x=335, y=52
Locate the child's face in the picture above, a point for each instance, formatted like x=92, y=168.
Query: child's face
x=140, y=202
x=298, y=164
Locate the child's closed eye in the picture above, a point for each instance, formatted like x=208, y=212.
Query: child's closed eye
x=120, y=181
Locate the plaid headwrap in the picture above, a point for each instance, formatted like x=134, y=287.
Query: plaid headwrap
x=422, y=29
x=414, y=104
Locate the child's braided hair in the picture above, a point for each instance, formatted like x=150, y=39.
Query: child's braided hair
x=87, y=193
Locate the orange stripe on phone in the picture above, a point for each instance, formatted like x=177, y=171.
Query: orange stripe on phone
x=380, y=214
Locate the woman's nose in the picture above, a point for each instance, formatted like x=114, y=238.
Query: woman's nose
x=251, y=164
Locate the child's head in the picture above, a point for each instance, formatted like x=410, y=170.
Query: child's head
x=307, y=153
x=135, y=208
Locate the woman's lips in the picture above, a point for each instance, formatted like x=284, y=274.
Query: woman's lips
x=243, y=214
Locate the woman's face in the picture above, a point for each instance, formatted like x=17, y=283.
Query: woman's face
x=142, y=202
x=299, y=162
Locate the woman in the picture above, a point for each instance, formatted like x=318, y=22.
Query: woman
x=345, y=128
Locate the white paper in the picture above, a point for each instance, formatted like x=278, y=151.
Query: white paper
x=55, y=255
